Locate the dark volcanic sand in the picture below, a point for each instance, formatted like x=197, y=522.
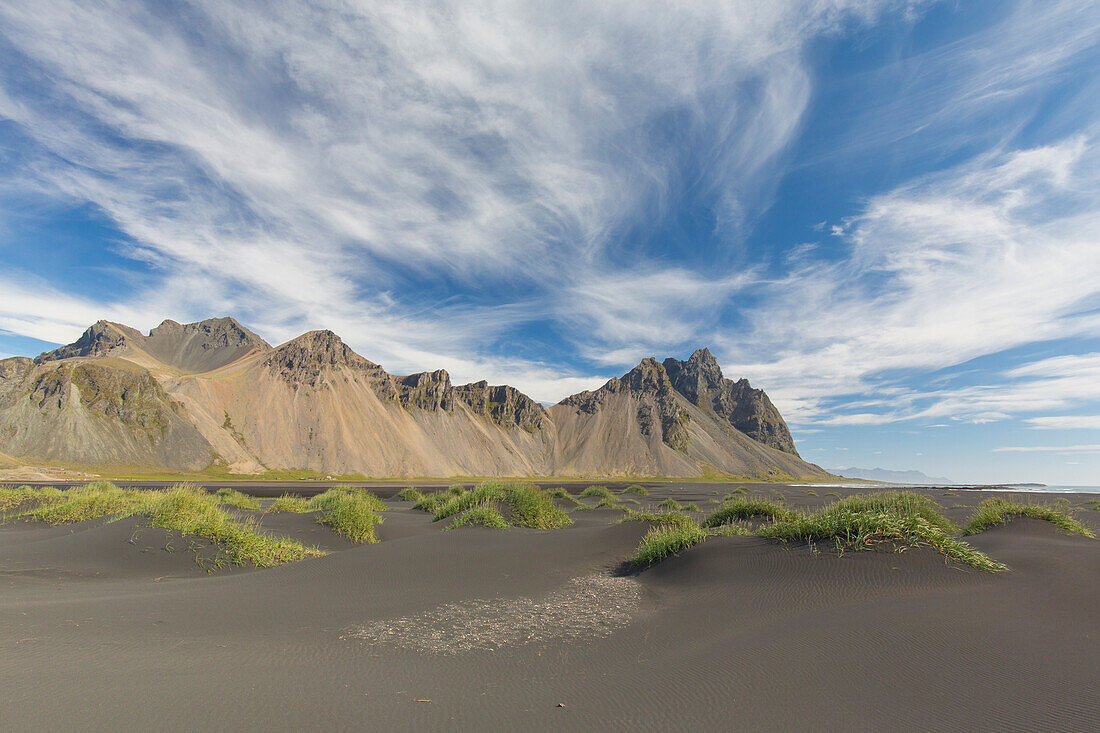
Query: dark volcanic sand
x=116, y=627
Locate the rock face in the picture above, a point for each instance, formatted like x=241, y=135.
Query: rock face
x=203, y=346
x=214, y=394
x=308, y=359
x=674, y=419
x=506, y=406
x=101, y=338
x=748, y=410
x=98, y=412
x=658, y=411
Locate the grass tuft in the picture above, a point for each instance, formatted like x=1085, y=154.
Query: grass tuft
x=636, y=489
x=737, y=509
x=347, y=510
x=671, y=504
x=600, y=491
x=230, y=497
x=665, y=540
x=12, y=497
x=410, y=494
x=482, y=515
x=433, y=501
x=290, y=503
x=998, y=511
x=675, y=518
x=530, y=506
x=350, y=513
x=861, y=522
x=192, y=511
x=95, y=500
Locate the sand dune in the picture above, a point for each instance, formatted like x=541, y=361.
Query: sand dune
x=738, y=632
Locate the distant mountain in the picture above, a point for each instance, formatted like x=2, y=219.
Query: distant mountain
x=884, y=474
x=215, y=395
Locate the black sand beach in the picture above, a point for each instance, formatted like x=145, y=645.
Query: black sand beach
x=115, y=626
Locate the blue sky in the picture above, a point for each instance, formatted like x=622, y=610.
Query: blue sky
x=886, y=214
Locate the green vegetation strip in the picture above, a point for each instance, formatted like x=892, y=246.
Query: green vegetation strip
x=484, y=515
x=636, y=489
x=348, y=511
x=998, y=511
x=194, y=512
x=410, y=494
x=230, y=497
x=901, y=520
x=183, y=508
x=528, y=505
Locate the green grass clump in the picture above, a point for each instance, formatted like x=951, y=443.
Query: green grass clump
x=811, y=492
x=657, y=518
x=998, y=511
x=690, y=508
x=560, y=493
x=482, y=515
x=350, y=513
x=410, y=494
x=95, y=500
x=433, y=501
x=231, y=497
x=373, y=501
x=737, y=509
x=833, y=493
x=347, y=510
x=862, y=522
x=740, y=490
x=290, y=503
x=530, y=506
x=192, y=511
x=636, y=489
x=900, y=502
x=456, y=489
x=665, y=540
x=671, y=504
x=600, y=491
x=458, y=503
x=12, y=498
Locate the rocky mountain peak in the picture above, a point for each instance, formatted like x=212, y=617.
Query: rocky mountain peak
x=304, y=360
x=504, y=405
x=99, y=339
x=427, y=390
x=214, y=333
x=696, y=376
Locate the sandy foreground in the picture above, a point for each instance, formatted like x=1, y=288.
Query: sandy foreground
x=115, y=626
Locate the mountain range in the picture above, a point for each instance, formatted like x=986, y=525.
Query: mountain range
x=214, y=395
x=891, y=476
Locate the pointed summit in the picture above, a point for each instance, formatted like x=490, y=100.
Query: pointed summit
x=749, y=410
x=99, y=339
x=304, y=359
x=694, y=377
x=202, y=346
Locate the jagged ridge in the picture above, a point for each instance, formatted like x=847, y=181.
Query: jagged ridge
x=314, y=403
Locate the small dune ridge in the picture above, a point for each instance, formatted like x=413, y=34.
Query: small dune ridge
x=588, y=607
x=899, y=520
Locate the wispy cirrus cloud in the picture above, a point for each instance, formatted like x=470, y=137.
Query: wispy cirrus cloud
x=1065, y=422
x=1095, y=448
x=329, y=163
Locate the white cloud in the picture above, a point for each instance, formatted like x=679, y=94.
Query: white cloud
x=307, y=163
x=1066, y=422
x=992, y=254
x=1049, y=449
